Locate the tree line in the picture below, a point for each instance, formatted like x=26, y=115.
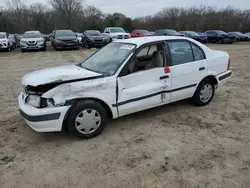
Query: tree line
x=17, y=17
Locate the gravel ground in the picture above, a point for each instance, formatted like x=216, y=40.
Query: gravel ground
x=177, y=145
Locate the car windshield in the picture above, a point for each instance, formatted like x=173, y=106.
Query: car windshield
x=172, y=32
x=93, y=33
x=2, y=36
x=238, y=33
x=141, y=31
x=192, y=33
x=107, y=60
x=117, y=30
x=64, y=33
x=221, y=32
x=31, y=35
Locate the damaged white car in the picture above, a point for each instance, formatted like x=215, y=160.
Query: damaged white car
x=124, y=77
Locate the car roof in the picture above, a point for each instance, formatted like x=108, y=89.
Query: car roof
x=32, y=31
x=144, y=40
x=2, y=32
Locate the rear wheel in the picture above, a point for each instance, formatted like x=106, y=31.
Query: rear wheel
x=86, y=119
x=204, y=93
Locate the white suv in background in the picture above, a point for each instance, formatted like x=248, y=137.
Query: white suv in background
x=33, y=40
x=115, y=33
x=5, y=42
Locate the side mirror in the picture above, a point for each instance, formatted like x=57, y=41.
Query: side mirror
x=107, y=32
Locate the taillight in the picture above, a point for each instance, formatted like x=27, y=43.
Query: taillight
x=228, y=65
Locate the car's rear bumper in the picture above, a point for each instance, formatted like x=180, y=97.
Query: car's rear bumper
x=223, y=77
x=44, y=119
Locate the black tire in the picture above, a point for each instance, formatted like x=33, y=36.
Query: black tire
x=78, y=108
x=197, y=96
x=87, y=45
x=8, y=48
x=221, y=41
x=23, y=50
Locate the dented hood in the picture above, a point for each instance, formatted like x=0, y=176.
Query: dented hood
x=57, y=75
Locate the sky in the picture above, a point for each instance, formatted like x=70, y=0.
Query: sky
x=135, y=8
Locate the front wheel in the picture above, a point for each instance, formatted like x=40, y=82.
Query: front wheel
x=86, y=119
x=204, y=93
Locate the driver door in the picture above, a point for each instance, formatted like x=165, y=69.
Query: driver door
x=147, y=84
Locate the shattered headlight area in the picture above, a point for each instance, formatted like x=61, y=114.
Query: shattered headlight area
x=34, y=97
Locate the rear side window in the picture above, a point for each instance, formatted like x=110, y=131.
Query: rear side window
x=198, y=53
x=181, y=52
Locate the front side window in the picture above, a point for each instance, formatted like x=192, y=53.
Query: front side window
x=181, y=52
x=147, y=58
x=107, y=60
x=198, y=53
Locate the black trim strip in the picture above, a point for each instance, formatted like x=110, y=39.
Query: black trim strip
x=184, y=87
x=164, y=77
x=151, y=95
x=46, y=117
x=225, y=76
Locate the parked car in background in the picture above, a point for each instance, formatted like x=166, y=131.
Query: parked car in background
x=18, y=39
x=64, y=39
x=139, y=33
x=94, y=38
x=47, y=37
x=32, y=40
x=166, y=32
x=247, y=33
x=79, y=38
x=219, y=37
x=13, y=39
x=239, y=36
x=114, y=33
x=194, y=35
x=122, y=78
x=6, y=43
x=151, y=33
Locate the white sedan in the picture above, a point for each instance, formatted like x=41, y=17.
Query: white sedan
x=124, y=77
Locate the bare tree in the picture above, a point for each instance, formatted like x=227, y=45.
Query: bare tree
x=68, y=9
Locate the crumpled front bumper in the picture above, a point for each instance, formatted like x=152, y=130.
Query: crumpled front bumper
x=43, y=119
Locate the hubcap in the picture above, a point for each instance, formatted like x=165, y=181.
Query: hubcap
x=88, y=121
x=206, y=93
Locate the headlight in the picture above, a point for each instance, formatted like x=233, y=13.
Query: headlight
x=92, y=40
x=40, y=41
x=23, y=42
x=114, y=37
x=34, y=100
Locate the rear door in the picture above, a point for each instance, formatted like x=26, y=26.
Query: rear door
x=144, y=85
x=188, y=67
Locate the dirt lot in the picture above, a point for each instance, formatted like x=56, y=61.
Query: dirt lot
x=178, y=145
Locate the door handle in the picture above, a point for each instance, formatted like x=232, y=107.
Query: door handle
x=164, y=77
x=201, y=68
